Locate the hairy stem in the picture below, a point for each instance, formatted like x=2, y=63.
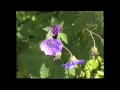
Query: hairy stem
x=102, y=40
x=92, y=37
x=67, y=50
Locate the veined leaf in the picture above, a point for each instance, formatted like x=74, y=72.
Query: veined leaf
x=54, y=21
x=100, y=74
x=61, y=24
x=82, y=74
x=63, y=36
x=44, y=71
x=93, y=63
x=87, y=74
x=88, y=68
x=72, y=72
x=100, y=60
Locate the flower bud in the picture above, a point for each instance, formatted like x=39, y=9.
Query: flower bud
x=72, y=58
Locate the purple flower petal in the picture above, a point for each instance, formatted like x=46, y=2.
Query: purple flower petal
x=79, y=61
x=51, y=46
x=68, y=65
x=72, y=64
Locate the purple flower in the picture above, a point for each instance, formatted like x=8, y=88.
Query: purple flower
x=55, y=29
x=51, y=46
x=72, y=63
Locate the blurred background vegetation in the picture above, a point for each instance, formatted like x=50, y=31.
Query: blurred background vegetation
x=30, y=33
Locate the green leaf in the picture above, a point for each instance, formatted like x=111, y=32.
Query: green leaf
x=19, y=35
x=63, y=36
x=23, y=69
x=44, y=71
x=102, y=67
x=54, y=21
x=93, y=63
x=88, y=68
x=46, y=29
x=58, y=37
x=71, y=73
x=87, y=74
x=82, y=74
x=48, y=35
x=100, y=74
x=61, y=24
x=100, y=60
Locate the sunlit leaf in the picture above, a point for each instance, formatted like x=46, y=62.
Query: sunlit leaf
x=102, y=67
x=88, y=74
x=61, y=24
x=44, y=71
x=72, y=72
x=100, y=74
x=54, y=21
x=46, y=28
x=82, y=74
x=93, y=63
x=88, y=67
x=63, y=36
x=100, y=59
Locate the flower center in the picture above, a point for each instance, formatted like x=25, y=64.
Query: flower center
x=50, y=44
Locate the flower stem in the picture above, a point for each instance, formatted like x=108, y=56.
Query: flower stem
x=92, y=37
x=102, y=40
x=67, y=50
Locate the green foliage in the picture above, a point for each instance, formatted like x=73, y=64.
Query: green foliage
x=32, y=27
x=46, y=29
x=93, y=65
x=61, y=24
x=100, y=74
x=63, y=37
x=44, y=71
x=82, y=74
x=54, y=21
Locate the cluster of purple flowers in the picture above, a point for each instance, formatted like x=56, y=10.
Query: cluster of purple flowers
x=53, y=47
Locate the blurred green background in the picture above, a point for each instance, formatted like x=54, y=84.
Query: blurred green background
x=30, y=33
